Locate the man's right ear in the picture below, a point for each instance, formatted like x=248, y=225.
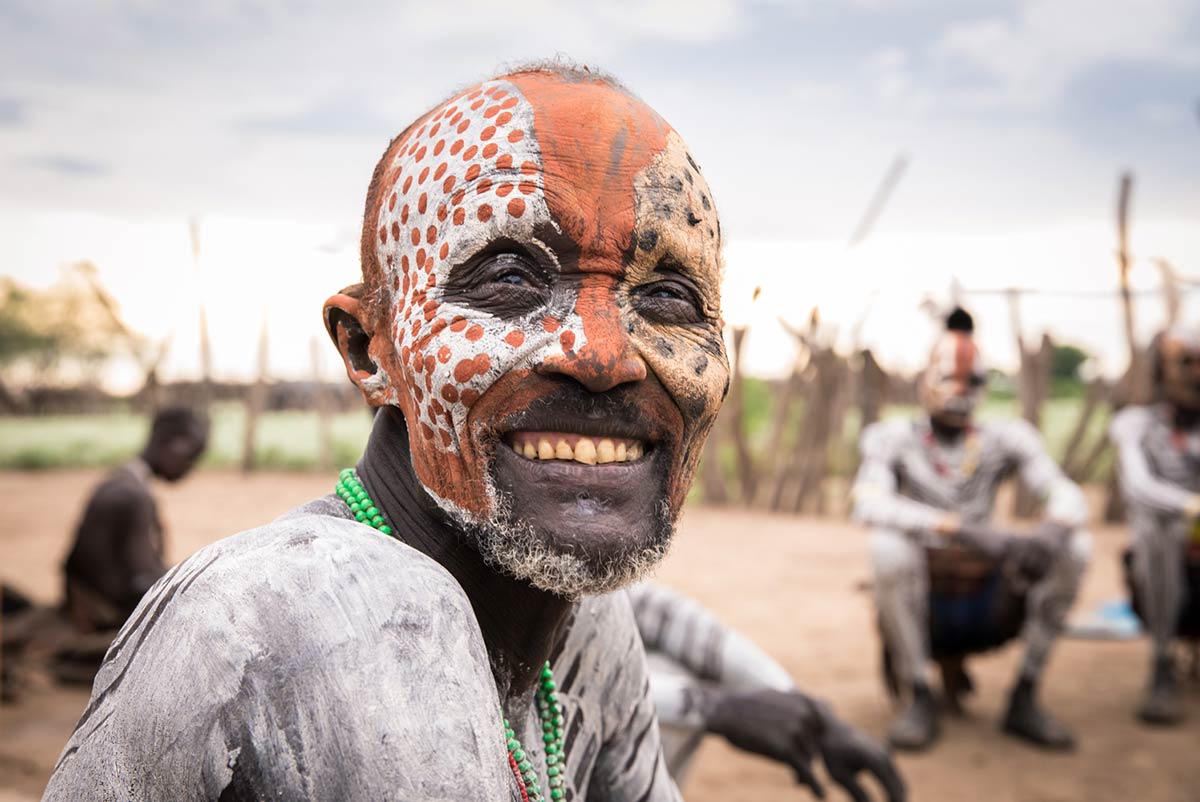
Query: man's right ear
x=343, y=321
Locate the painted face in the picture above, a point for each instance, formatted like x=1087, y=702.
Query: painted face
x=1179, y=355
x=954, y=381
x=548, y=318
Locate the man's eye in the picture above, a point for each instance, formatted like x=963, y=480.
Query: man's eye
x=669, y=302
x=510, y=269
x=512, y=277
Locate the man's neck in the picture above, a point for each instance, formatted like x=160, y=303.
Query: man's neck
x=944, y=433
x=148, y=467
x=1186, y=418
x=520, y=623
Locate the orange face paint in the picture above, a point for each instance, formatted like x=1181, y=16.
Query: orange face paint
x=581, y=171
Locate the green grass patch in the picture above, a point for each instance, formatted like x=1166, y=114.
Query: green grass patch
x=285, y=440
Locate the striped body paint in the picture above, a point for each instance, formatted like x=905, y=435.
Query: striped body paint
x=599, y=187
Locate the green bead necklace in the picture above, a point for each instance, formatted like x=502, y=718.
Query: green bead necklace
x=550, y=710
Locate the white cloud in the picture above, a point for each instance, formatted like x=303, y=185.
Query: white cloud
x=1164, y=114
x=1031, y=57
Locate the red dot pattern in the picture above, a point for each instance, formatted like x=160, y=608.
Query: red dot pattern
x=469, y=171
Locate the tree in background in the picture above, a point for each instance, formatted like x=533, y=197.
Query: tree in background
x=1065, y=362
x=64, y=334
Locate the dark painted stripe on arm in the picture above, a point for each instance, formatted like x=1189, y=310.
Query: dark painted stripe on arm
x=653, y=778
x=637, y=743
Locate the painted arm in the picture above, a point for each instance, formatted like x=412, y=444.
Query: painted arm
x=877, y=500
x=1063, y=499
x=630, y=765
x=731, y=687
x=692, y=636
x=1138, y=482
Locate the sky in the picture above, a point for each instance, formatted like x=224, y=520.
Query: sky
x=122, y=121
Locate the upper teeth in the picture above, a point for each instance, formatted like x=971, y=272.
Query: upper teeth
x=588, y=450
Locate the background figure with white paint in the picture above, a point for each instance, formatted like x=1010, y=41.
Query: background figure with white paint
x=930, y=484
x=1158, y=449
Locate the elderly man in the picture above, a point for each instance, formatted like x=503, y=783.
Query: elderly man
x=931, y=483
x=1158, y=450
x=539, y=321
x=709, y=679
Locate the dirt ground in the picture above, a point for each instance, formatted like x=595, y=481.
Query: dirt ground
x=792, y=584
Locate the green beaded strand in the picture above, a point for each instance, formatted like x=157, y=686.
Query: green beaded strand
x=350, y=490
x=550, y=712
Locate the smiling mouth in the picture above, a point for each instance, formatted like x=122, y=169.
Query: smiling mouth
x=546, y=446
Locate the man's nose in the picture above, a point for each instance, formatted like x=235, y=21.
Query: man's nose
x=606, y=358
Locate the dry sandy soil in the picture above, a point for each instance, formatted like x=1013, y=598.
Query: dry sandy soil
x=793, y=584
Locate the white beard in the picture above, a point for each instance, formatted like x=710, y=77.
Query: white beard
x=515, y=548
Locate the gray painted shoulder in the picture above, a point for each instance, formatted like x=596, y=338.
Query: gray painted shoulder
x=1131, y=421
x=1014, y=435
x=887, y=435
x=311, y=658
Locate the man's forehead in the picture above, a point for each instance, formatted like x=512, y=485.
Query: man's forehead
x=1179, y=341
x=595, y=139
x=568, y=155
x=956, y=354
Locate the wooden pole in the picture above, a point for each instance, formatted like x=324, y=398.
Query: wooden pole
x=206, y=389
x=1132, y=385
x=1071, y=461
x=747, y=476
x=1123, y=261
x=321, y=402
x=879, y=200
x=1033, y=380
x=255, y=397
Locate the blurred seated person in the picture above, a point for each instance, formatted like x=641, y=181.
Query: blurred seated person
x=1158, y=457
x=706, y=678
x=927, y=488
x=118, y=550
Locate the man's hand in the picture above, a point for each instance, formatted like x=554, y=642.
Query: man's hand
x=1034, y=553
x=781, y=725
x=985, y=539
x=848, y=752
x=1031, y=553
x=792, y=728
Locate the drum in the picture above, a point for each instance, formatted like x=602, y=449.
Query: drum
x=976, y=604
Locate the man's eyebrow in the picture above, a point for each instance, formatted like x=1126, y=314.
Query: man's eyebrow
x=670, y=263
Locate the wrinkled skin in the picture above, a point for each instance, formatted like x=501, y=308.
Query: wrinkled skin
x=541, y=253
x=793, y=729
